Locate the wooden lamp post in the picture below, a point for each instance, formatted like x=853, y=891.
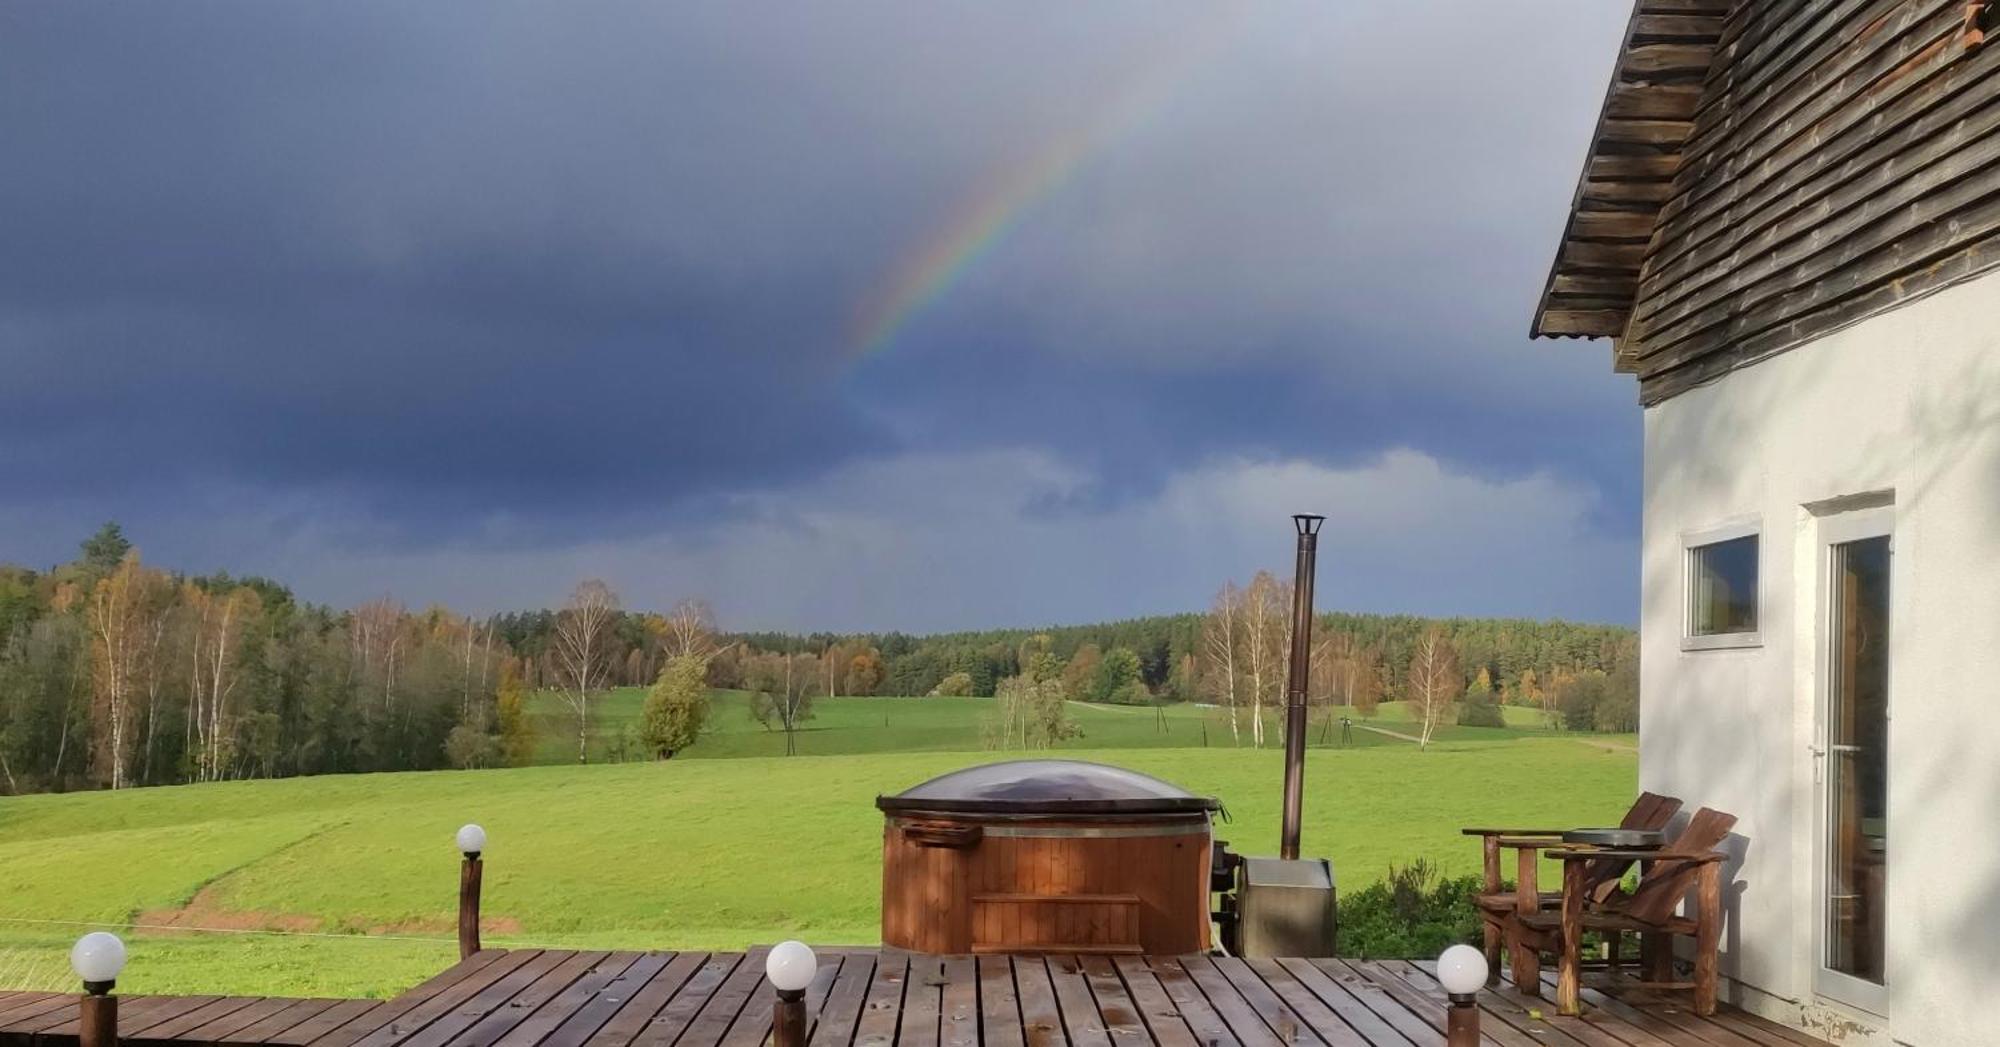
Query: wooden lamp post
x=1462, y=970
x=790, y=968
x=471, y=843
x=97, y=958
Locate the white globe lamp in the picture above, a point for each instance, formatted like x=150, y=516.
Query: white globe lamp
x=97, y=958
x=790, y=966
x=471, y=841
x=1462, y=971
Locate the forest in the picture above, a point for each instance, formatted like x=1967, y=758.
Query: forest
x=115, y=673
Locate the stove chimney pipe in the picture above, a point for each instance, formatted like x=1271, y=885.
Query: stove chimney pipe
x=1296, y=683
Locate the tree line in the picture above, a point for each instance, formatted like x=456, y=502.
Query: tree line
x=115, y=673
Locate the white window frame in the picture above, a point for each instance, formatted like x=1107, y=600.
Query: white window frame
x=1742, y=527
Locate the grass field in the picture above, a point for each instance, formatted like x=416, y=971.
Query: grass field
x=347, y=884
x=844, y=726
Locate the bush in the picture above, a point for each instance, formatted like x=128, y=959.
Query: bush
x=1480, y=714
x=1414, y=914
x=957, y=685
x=468, y=747
x=1578, y=699
x=676, y=707
x=1132, y=692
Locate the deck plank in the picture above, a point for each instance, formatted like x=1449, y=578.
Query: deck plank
x=1431, y=1010
x=14, y=1005
x=958, y=1010
x=1081, y=1020
x=1193, y=1008
x=581, y=1027
x=999, y=1003
x=1662, y=1022
x=712, y=1022
x=923, y=995
x=841, y=1015
x=1288, y=1024
x=1551, y=1028
x=601, y=970
x=680, y=1012
x=133, y=1015
x=1243, y=1019
x=23, y=1013
x=325, y=1021
x=888, y=998
x=1350, y=979
x=1156, y=1008
x=178, y=1027
x=405, y=1022
x=1503, y=1003
x=648, y=1000
x=1041, y=1016
x=479, y=968
x=1121, y=1013
x=1372, y=1027
x=222, y=1029
x=877, y=1027
x=494, y=1011
x=279, y=1021
x=1303, y=1002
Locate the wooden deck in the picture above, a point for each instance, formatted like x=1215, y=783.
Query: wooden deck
x=866, y=998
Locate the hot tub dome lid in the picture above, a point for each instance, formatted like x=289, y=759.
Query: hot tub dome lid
x=1046, y=787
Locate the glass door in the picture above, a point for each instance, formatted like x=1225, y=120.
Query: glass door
x=1852, y=759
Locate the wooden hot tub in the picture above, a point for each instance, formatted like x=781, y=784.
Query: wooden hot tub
x=1046, y=856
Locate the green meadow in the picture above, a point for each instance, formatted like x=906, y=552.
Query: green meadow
x=347, y=884
x=846, y=726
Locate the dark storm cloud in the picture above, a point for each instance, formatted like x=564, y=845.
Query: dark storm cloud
x=530, y=277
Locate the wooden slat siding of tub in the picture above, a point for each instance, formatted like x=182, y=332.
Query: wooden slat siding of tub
x=1026, y=872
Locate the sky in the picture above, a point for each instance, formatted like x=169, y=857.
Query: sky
x=892, y=314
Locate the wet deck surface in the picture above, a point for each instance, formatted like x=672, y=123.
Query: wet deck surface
x=871, y=998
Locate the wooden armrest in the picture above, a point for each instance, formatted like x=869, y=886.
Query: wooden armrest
x=1589, y=854
x=1531, y=843
x=1512, y=832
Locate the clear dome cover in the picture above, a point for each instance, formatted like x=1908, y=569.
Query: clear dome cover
x=1046, y=786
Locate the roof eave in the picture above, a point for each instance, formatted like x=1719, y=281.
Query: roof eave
x=1627, y=178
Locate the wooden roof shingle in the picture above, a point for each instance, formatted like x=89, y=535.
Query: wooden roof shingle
x=1628, y=175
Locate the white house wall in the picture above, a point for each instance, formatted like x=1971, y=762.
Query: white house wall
x=1907, y=402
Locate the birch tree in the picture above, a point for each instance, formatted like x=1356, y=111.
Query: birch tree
x=217, y=624
x=583, y=639
x=1219, y=635
x=690, y=631
x=1434, y=683
x=124, y=614
x=1264, y=617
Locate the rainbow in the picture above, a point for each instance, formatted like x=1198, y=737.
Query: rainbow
x=983, y=218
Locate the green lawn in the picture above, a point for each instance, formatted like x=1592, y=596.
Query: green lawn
x=691, y=852
x=843, y=726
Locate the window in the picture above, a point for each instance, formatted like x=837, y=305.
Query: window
x=1722, y=588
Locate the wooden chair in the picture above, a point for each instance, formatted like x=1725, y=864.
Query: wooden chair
x=1496, y=907
x=1690, y=861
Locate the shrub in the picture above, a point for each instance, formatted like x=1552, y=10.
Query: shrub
x=1484, y=713
x=1414, y=914
x=676, y=707
x=1132, y=692
x=957, y=685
